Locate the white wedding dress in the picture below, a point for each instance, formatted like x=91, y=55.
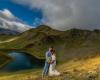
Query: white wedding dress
x=52, y=70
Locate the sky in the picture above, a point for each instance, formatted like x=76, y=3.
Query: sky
x=58, y=14
x=29, y=16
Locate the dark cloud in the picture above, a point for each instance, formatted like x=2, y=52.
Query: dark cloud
x=66, y=14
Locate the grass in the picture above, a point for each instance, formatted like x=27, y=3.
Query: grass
x=36, y=41
x=76, y=50
x=4, y=59
x=6, y=37
x=85, y=69
x=22, y=75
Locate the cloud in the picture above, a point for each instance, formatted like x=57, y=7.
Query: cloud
x=37, y=22
x=6, y=13
x=9, y=21
x=66, y=14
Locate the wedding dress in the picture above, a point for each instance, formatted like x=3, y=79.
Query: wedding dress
x=52, y=70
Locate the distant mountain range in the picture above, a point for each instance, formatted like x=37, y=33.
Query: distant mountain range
x=8, y=32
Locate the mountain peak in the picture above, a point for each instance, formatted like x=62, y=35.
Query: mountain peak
x=42, y=27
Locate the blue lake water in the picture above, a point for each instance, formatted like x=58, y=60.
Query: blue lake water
x=21, y=62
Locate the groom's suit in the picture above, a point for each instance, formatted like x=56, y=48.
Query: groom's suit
x=47, y=64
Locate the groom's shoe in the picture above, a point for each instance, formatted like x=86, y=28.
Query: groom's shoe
x=43, y=76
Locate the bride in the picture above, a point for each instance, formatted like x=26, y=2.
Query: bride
x=52, y=70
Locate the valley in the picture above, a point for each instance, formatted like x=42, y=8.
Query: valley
x=78, y=52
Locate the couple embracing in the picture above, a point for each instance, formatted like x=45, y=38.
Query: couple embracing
x=50, y=63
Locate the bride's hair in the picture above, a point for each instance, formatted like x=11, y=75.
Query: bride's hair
x=53, y=51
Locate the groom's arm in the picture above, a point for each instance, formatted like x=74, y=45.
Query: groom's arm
x=48, y=57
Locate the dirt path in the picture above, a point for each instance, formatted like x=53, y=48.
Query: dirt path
x=9, y=40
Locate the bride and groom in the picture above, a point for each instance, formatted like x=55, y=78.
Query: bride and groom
x=50, y=63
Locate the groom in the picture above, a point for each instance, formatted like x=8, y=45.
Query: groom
x=47, y=62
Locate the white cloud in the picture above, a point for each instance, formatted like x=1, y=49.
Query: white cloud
x=7, y=13
x=66, y=14
x=9, y=21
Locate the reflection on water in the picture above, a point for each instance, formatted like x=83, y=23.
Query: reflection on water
x=21, y=62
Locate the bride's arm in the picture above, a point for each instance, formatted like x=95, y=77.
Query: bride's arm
x=53, y=59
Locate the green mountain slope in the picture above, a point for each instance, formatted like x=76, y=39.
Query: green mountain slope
x=4, y=59
x=74, y=43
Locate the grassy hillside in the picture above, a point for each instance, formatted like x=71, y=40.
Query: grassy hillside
x=4, y=59
x=70, y=44
x=86, y=69
x=78, y=52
